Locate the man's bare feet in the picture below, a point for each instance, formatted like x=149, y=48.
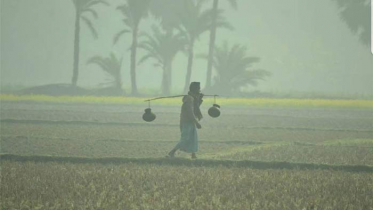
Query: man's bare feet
x=171, y=154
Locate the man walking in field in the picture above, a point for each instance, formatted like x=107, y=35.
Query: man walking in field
x=189, y=121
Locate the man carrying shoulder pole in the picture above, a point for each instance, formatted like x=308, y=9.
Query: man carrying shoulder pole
x=189, y=121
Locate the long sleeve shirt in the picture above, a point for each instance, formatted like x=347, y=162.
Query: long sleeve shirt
x=187, y=110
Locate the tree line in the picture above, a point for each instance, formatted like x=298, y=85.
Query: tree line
x=180, y=24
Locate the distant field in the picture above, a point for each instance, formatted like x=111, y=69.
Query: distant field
x=74, y=153
x=257, y=102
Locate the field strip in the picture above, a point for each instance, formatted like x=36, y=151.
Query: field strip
x=82, y=123
x=247, y=102
x=250, y=147
x=302, y=128
x=126, y=140
x=240, y=149
x=57, y=122
x=347, y=141
x=191, y=163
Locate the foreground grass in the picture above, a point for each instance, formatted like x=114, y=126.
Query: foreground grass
x=257, y=102
x=344, y=155
x=51, y=185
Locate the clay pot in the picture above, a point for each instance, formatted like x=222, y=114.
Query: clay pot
x=148, y=116
x=214, y=111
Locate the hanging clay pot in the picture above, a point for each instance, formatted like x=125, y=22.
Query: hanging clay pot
x=148, y=116
x=214, y=111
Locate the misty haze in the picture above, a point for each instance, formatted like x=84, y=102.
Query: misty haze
x=186, y=104
x=305, y=45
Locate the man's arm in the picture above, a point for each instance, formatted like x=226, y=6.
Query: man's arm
x=190, y=111
x=200, y=96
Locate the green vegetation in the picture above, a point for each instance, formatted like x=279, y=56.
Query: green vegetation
x=131, y=186
x=358, y=154
x=112, y=66
x=356, y=15
x=234, y=71
x=255, y=102
x=83, y=7
x=133, y=11
x=216, y=15
x=103, y=156
x=163, y=47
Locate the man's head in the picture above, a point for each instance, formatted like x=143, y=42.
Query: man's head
x=195, y=87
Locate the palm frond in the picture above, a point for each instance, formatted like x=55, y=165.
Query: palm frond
x=166, y=11
x=90, y=26
x=232, y=66
x=356, y=15
x=134, y=11
x=128, y=18
x=96, y=2
x=221, y=21
x=250, y=77
x=145, y=58
x=90, y=10
x=120, y=34
x=110, y=65
x=161, y=46
x=85, y=6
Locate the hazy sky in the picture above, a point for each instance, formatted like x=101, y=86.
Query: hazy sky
x=303, y=43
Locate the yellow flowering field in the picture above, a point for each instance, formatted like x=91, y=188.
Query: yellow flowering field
x=251, y=102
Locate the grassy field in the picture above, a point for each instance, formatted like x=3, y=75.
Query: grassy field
x=88, y=154
x=257, y=102
x=132, y=186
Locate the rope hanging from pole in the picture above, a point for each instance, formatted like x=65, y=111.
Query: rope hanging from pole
x=149, y=116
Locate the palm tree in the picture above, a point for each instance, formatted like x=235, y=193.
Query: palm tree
x=83, y=7
x=216, y=15
x=112, y=66
x=133, y=11
x=194, y=22
x=356, y=14
x=167, y=12
x=163, y=47
x=233, y=69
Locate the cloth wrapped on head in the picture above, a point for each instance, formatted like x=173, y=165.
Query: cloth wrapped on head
x=195, y=87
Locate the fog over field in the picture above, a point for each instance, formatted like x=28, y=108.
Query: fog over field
x=93, y=111
x=305, y=45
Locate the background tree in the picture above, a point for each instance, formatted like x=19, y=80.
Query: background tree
x=133, y=11
x=163, y=47
x=233, y=69
x=194, y=22
x=216, y=17
x=83, y=7
x=356, y=14
x=167, y=12
x=112, y=66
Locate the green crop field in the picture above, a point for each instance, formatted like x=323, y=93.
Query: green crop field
x=98, y=153
x=257, y=102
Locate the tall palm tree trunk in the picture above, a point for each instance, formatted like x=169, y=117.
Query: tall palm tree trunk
x=169, y=32
x=133, y=60
x=118, y=81
x=170, y=76
x=76, y=49
x=166, y=79
x=212, y=44
x=190, y=65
